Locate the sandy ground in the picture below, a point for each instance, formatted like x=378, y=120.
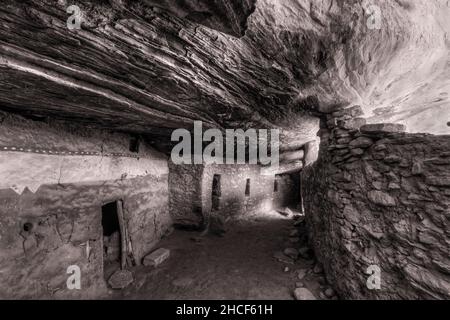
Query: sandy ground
x=239, y=265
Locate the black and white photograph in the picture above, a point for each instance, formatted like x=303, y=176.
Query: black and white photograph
x=243, y=151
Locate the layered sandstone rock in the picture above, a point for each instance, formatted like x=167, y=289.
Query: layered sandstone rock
x=152, y=66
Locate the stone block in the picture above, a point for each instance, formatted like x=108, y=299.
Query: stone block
x=361, y=142
x=381, y=198
x=329, y=292
x=337, y=159
x=404, y=164
x=291, y=253
x=391, y=159
x=351, y=214
x=379, y=147
x=157, y=257
x=303, y=294
x=350, y=124
x=351, y=112
x=440, y=181
x=331, y=123
x=383, y=128
x=341, y=133
x=417, y=168
x=120, y=279
x=342, y=177
x=378, y=155
x=437, y=161
x=341, y=152
x=357, y=151
x=393, y=186
x=311, y=152
x=281, y=257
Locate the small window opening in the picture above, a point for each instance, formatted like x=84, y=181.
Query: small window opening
x=275, y=184
x=27, y=226
x=216, y=185
x=134, y=144
x=247, y=188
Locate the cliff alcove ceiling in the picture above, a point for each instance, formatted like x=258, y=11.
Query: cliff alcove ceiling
x=151, y=66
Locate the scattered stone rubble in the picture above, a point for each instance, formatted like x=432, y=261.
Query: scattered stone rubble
x=303, y=294
x=310, y=279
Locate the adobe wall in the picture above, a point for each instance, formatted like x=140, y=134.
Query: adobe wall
x=233, y=200
x=191, y=192
x=56, y=177
x=185, y=183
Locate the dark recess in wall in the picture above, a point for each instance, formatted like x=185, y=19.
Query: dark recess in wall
x=134, y=144
x=216, y=192
x=247, y=188
x=110, y=219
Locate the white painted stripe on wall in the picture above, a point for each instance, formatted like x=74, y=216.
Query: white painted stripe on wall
x=19, y=170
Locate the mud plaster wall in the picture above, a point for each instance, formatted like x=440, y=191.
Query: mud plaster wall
x=185, y=182
x=380, y=198
x=191, y=192
x=66, y=216
x=233, y=201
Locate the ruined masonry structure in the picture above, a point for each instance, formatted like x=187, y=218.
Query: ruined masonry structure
x=379, y=196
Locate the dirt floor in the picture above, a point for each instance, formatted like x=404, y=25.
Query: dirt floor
x=239, y=265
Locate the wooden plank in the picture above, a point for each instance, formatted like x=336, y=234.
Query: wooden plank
x=123, y=235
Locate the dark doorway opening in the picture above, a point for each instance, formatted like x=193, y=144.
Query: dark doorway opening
x=135, y=144
x=216, y=192
x=287, y=190
x=113, y=246
x=110, y=219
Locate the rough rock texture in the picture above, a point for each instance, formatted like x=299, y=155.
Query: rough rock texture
x=46, y=230
x=229, y=16
x=134, y=66
x=381, y=198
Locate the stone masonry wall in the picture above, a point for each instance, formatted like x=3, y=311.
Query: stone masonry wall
x=191, y=192
x=233, y=201
x=55, y=178
x=378, y=196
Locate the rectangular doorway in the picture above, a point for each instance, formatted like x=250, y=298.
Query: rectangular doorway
x=114, y=238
